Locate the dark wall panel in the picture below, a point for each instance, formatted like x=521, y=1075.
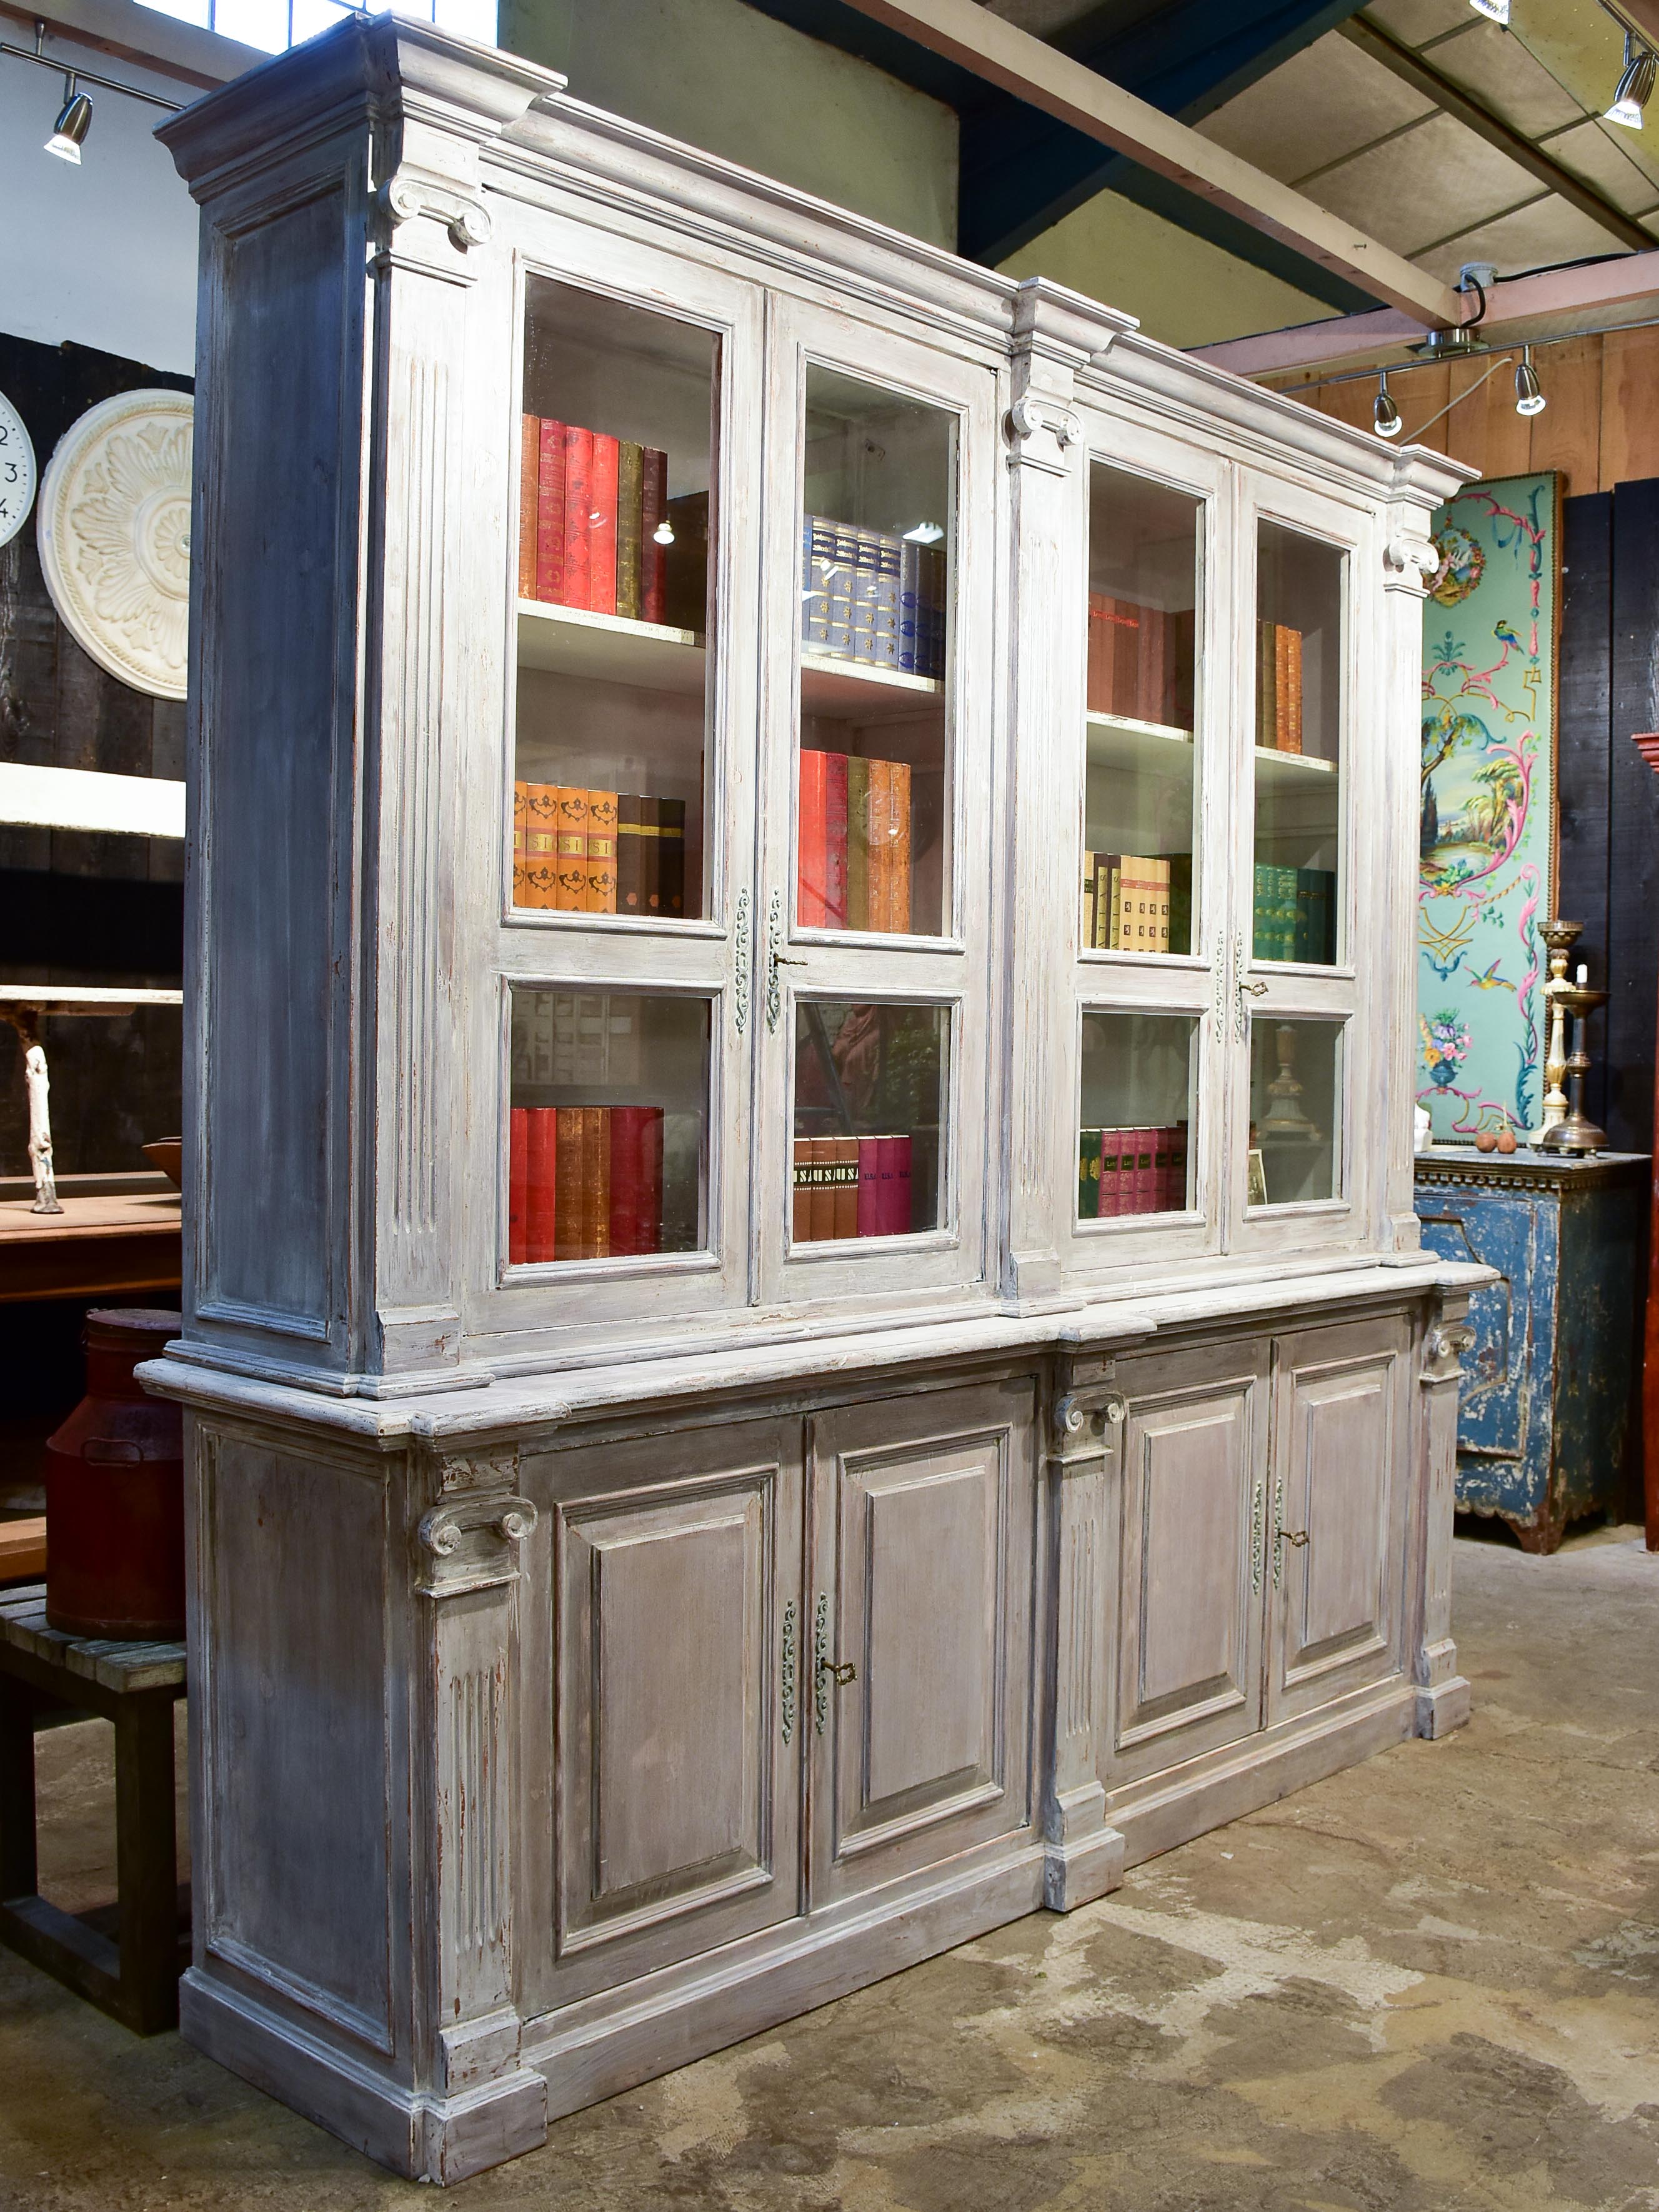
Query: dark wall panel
x=1583, y=743
x=1634, y=812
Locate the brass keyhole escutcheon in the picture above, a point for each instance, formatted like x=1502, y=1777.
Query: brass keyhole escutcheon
x=1298, y=1536
x=847, y=1672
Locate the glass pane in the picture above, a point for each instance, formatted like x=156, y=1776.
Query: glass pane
x=608, y=1125
x=1295, y=1091
x=1298, y=747
x=869, y=1110
x=1145, y=546
x=614, y=577
x=1139, y=1083
x=877, y=539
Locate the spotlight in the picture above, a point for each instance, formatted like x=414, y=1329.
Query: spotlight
x=74, y=121
x=1496, y=11
x=663, y=534
x=1528, y=397
x=1385, y=416
x=1635, y=86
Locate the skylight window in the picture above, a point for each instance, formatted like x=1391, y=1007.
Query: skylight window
x=275, y=25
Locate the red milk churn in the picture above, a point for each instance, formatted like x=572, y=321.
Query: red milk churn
x=115, y=1491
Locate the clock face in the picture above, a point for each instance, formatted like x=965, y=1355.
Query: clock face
x=17, y=473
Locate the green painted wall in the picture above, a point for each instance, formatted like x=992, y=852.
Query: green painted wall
x=721, y=77
x=1185, y=291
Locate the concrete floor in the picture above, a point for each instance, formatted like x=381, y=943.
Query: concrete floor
x=1431, y=1984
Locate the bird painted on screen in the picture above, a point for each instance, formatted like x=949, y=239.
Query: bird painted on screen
x=1505, y=635
x=1490, y=979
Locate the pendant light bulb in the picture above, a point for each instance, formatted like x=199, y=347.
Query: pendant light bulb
x=1635, y=86
x=1528, y=393
x=74, y=121
x=1495, y=11
x=1386, y=419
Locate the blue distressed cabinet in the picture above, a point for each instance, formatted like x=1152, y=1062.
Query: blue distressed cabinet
x=1544, y=1419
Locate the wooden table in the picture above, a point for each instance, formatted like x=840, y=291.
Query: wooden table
x=105, y=1246
x=134, y=1977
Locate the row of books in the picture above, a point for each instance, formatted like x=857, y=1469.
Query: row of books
x=590, y=508
x=598, y=852
x=872, y=597
x=1136, y=902
x=851, y=1187
x=1279, y=687
x=601, y=1182
x=853, y=869
x=1294, y=915
x=1131, y=1171
x=1140, y=662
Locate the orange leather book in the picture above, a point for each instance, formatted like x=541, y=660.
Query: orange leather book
x=520, y=844
x=568, y=1184
x=879, y=861
x=570, y=865
x=541, y=845
x=530, y=454
x=823, y=1213
x=898, y=835
x=801, y=1222
x=599, y=890
x=1281, y=688
x=844, y=1169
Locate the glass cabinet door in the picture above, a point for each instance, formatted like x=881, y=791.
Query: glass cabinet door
x=626, y=1060
x=1151, y=736
x=875, y=850
x=1315, y=773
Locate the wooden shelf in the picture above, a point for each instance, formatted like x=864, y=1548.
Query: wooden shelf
x=856, y=691
x=1289, y=771
x=610, y=648
x=1141, y=747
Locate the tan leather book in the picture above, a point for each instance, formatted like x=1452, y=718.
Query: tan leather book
x=898, y=831
x=530, y=452
x=521, y=843
x=599, y=888
x=879, y=868
x=1281, y=688
x=570, y=865
x=801, y=1194
x=596, y=1182
x=568, y=1184
x=1292, y=689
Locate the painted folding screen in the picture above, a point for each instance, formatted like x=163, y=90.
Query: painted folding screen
x=1489, y=628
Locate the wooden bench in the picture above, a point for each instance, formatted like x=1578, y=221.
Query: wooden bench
x=126, y=1961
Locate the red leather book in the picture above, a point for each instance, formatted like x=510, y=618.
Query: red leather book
x=654, y=513
x=568, y=1184
x=894, y=1185
x=517, y=1174
x=1162, y=1182
x=635, y=1193
x=810, y=906
x=844, y=1171
x=1150, y=704
x=1111, y=1172
x=530, y=463
x=577, y=507
x=1146, y=1190
x=602, y=524
x=541, y=1183
x=834, y=840
x=869, y=1218
x=547, y=581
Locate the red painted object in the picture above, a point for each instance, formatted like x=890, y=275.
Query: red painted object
x=115, y=1493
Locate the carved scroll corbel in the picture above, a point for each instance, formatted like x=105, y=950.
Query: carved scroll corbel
x=412, y=197
x=1408, y=563
x=1029, y=418
x=473, y=1541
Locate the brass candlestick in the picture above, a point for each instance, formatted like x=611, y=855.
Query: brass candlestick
x=1560, y=937
x=1285, y=1123
x=1575, y=1134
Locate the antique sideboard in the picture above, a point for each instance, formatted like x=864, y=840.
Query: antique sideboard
x=1546, y=1419
x=804, y=1325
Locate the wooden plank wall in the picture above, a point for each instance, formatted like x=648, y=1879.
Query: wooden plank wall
x=1600, y=428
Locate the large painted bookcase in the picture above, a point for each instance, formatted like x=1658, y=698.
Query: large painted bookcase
x=739, y=1441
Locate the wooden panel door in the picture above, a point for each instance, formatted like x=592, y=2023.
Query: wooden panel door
x=676, y=1575
x=918, y=1646
x=1190, y=1561
x=1336, y=1534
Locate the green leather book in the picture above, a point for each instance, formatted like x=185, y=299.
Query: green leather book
x=1088, y=1175
x=630, y=463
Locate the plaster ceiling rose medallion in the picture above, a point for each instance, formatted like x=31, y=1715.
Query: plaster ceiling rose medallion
x=114, y=536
